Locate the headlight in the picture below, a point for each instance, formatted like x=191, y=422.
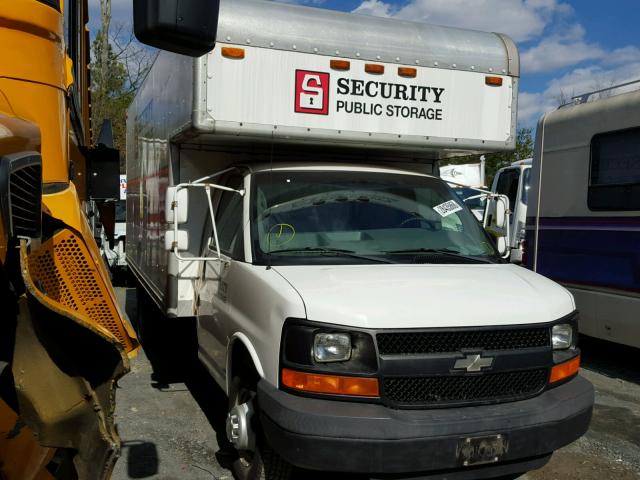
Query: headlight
x=562, y=336
x=331, y=347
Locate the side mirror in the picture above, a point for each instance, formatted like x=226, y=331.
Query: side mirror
x=501, y=245
x=179, y=240
x=187, y=27
x=176, y=203
x=496, y=221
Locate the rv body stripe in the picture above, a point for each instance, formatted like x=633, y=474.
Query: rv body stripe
x=602, y=252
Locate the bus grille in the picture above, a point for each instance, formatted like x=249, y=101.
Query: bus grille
x=25, y=189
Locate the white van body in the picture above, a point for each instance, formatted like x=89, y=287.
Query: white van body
x=277, y=196
x=583, y=226
x=514, y=182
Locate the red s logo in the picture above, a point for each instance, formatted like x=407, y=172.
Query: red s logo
x=312, y=92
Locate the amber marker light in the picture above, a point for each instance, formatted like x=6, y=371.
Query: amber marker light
x=340, y=64
x=374, y=68
x=232, y=52
x=493, y=81
x=565, y=370
x=330, y=384
x=408, y=72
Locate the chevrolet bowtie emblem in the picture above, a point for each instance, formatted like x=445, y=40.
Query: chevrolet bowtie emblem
x=473, y=363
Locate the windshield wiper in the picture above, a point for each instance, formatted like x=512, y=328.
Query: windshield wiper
x=332, y=251
x=440, y=251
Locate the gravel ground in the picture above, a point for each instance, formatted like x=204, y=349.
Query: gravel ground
x=168, y=425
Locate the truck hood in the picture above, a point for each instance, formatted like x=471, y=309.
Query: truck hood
x=426, y=296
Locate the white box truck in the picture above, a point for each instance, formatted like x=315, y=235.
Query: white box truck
x=283, y=191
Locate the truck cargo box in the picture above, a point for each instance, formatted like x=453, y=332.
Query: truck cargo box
x=289, y=73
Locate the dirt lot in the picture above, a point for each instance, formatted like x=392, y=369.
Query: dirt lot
x=168, y=425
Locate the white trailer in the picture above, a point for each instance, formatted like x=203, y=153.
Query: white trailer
x=583, y=220
x=283, y=190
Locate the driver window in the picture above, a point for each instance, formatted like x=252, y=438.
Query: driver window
x=229, y=221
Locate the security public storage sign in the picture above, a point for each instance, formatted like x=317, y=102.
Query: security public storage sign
x=312, y=92
x=291, y=89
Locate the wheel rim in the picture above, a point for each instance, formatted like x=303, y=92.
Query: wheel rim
x=239, y=427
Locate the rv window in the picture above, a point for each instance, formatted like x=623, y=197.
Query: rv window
x=508, y=184
x=615, y=171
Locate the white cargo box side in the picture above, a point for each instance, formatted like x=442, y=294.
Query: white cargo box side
x=297, y=95
x=285, y=89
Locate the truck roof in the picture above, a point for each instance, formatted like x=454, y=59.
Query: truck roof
x=329, y=166
x=303, y=29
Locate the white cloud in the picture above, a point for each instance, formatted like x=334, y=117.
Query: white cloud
x=623, y=55
x=522, y=20
x=374, y=7
x=559, y=51
x=577, y=82
x=301, y=2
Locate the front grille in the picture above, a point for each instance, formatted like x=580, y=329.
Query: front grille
x=461, y=389
x=25, y=189
x=411, y=343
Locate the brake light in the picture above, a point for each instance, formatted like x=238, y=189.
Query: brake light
x=331, y=384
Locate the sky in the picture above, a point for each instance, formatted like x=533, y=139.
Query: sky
x=567, y=47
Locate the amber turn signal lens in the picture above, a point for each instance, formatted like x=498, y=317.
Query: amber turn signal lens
x=231, y=52
x=565, y=370
x=407, y=72
x=494, y=81
x=340, y=64
x=331, y=384
x=374, y=68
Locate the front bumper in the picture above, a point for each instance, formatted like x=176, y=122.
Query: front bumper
x=330, y=435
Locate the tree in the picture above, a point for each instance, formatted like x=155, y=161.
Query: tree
x=118, y=68
x=109, y=96
x=498, y=160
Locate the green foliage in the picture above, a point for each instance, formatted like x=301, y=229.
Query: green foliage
x=111, y=93
x=495, y=161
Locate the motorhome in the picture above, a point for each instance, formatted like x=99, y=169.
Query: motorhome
x=514, y=182
x=283, y=190
x=583, y=225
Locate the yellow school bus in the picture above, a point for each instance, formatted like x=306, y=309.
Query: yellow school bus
x=63, y=338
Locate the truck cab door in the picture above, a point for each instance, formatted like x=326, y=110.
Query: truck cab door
x=214, y=317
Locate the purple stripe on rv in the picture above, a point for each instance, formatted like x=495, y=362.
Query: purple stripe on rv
x=596, y=251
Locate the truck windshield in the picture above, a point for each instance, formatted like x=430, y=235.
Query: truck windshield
x=464, y=193
x=307, y=217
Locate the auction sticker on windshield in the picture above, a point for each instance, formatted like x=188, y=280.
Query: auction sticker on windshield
x=447, y=208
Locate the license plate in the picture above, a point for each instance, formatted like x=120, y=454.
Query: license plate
x=480, y=450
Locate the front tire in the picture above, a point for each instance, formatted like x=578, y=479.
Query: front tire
x=258, y=461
